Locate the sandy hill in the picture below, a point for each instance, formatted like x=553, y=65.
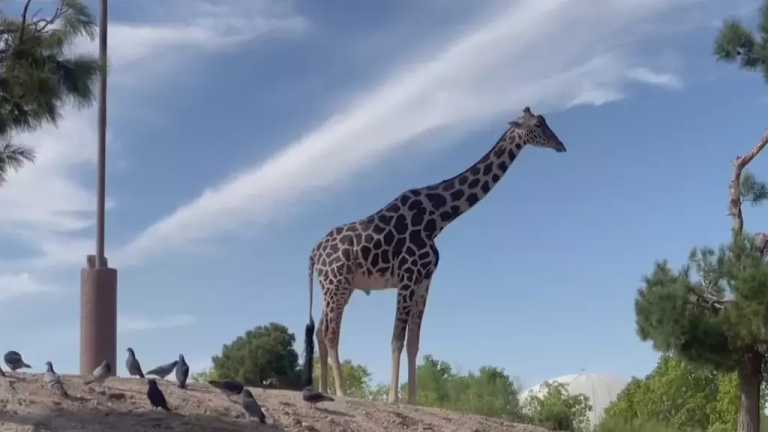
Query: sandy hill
x=121, y=405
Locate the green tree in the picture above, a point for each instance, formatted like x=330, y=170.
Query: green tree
x=488, y=392
x=676, y=395
x=735, y=43
x=266, y=352
x=558, y=410
x=715, y=317
x=356, y=379
x=37, y=76
x=491, y=393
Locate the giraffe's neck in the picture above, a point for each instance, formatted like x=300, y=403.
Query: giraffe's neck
x=453, y=197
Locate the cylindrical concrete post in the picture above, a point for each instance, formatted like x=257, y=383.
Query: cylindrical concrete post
x=98, y=316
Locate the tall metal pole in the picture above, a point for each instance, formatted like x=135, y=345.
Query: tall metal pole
x=102, y=136
x=98, y=282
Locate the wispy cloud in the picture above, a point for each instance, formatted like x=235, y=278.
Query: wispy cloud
x=20, y=285
x=46, y=205
x=648, y=76
x=523, y=56
x=133, y=323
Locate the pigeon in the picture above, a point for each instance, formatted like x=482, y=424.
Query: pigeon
x=164, y=370
x=133, y=365
x=14, y=361
x=227, y=386
x=100, y=374
x=252, y=407
x=53, y=380
x=156, y=396
x=314, y=397
x=182, y=372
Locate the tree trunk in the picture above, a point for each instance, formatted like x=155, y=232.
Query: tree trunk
x=750, y=378
x=734, y=203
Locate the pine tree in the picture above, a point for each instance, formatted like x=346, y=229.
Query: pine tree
x=714, y=310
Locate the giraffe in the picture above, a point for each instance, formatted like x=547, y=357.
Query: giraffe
x=395, y=248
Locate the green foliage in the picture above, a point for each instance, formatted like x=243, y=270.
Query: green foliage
x=676, y=396
x=378, y=392
x=266, y=352
x=356, y=379
x=204, y=376
x=712, y=319
x=752, y=189
x=37, y=76
x=559, y=410
x=12, y=157
x=489, y=392
x=737, y=44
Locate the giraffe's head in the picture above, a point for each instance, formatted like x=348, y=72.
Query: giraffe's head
x=534, y=131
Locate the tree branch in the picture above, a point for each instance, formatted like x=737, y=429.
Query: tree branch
x=41, y=24
x=711, y=301
x=24, y=20
x=740, y=163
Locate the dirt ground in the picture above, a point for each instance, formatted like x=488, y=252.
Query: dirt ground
x=120, y=405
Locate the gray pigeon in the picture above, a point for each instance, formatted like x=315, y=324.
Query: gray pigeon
x=14, y=361
x=251, y=406
x=100, y=374
x=314, y=397
x=53, y=380
x=164, y=370
x=133, y=365
x=182, y=372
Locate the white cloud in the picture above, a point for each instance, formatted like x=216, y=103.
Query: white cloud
x=46, y=204
x=550, y=54
x=131, y=323
x=20, y=285
x=648, y=76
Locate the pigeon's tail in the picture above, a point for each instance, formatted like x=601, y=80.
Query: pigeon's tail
x=141, y=374
x=309, y=331
x=24, y=365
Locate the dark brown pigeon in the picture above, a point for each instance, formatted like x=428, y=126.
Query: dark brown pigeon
x=313, y=397
x=156, y=396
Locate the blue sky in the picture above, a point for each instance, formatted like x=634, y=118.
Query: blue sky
x=240, y=132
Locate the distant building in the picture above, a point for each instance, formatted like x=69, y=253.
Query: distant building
x=600, y=389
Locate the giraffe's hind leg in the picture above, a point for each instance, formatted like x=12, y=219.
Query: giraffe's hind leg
x=405, y=294
x=337, y=296
x=322, y=351
x=414, y=333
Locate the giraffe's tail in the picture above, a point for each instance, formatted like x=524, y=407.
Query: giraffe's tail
x=309, y=331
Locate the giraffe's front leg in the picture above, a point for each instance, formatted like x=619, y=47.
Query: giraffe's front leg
x=414, y=332
x=398, y=340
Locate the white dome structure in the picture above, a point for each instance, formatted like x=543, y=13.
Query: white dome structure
x=600, y=389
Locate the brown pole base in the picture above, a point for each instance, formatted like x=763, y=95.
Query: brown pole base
x=98, y=316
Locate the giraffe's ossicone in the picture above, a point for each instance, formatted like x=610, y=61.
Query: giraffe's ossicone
x=395, y=248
